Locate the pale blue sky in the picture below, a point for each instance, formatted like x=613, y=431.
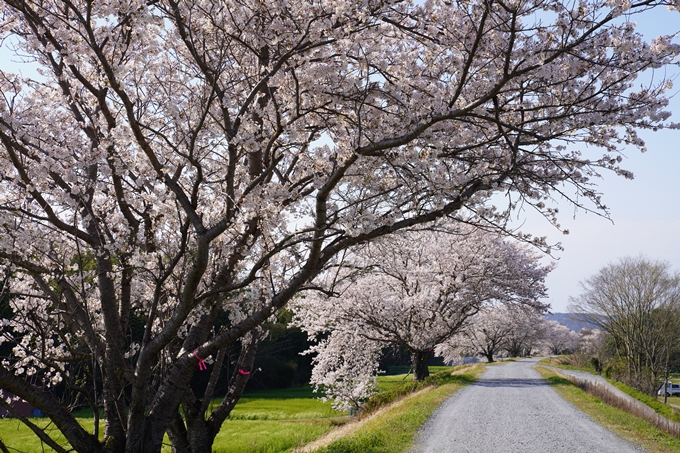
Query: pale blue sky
x=645, y=211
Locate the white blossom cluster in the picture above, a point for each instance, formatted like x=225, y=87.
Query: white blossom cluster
x=509, y=332
x=415, y=290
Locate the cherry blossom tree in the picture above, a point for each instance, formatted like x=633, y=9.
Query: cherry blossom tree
x=485, y=336
x=558, y=339
x=172, y=164
x=512, y=329
x=528, y=329
x=345, y=368
x=591, y=341
x=414, y=290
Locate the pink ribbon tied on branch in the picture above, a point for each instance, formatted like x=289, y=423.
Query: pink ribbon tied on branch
x=201, y=363
x=243, y=372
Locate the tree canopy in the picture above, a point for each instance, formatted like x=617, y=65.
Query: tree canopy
x=414, y=290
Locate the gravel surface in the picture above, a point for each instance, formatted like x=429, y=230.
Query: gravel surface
x=512, y=409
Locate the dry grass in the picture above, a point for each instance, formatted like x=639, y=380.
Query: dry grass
x=619, y=399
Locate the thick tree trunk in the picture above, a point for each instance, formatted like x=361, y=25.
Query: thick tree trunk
x=177, y=433
x=198, y=434
x=419, y=361
x=194, y=433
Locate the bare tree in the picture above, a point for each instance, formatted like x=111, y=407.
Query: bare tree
x=635, y=301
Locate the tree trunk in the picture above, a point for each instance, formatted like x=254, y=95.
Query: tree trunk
x=419, y=361
x=666, y=376
x=514, y=349
x=199, y=437
x=177, y=433
x=193, y=433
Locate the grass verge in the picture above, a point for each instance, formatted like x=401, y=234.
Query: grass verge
x=625, y=425
x=267, y=436
x=390, y=393
x=659, y=407
x=394, y=429
x=656, y=404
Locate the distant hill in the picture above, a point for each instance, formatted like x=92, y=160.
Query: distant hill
x=570, y=320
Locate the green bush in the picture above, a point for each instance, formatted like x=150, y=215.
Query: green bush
x=615, y=368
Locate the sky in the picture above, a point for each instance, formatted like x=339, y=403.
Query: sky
x=645, y=211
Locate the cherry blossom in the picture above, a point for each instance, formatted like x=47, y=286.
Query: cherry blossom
x=559, y=339
x=496, y=331
x=414, y=290
x=173, y=163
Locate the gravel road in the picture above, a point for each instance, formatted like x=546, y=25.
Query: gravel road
x=512, y=409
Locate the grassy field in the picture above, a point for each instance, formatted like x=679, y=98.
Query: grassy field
x=399, y=375
x=272, y=421
x=622, y=423
x=268, y=421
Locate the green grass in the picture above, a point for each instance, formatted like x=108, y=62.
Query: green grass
x=394, y=430
x=671, y=400
x=404, y=369
x=563, y=362
x=266, y=436
x=621, y=422
x=306, y=391
x=391, y=390
x=19, y=438
x=396, y=376
x=659, y=407
x=283, y=409
x=262, y=422
x=391, y=381
x=266, y=421
x=282, y=404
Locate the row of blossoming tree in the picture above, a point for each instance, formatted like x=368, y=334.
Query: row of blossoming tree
x=456, y=293
x=170, y=163
x=452, y=293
